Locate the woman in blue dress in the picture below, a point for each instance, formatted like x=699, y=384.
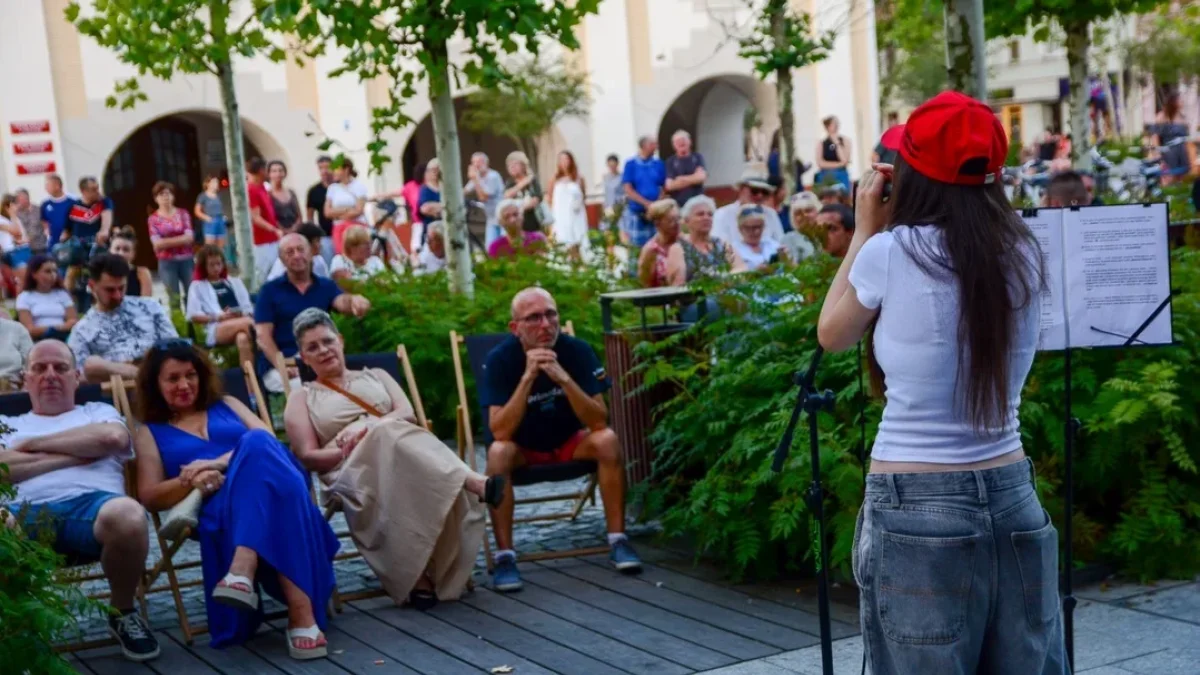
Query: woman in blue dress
x=258, y=526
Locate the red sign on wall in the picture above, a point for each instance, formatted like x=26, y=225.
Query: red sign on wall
x=30, y=127
x=32, y=168
x=33, y=147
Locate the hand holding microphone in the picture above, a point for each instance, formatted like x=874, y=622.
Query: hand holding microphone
x=872, y=204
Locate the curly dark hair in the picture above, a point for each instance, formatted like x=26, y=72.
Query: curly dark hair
x=150, y=406
x=38, y=262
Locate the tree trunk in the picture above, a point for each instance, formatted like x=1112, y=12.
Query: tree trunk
x=235, y=160
x=1078, y=44
x=783, y=95
x=445, y=133
x=966, y=56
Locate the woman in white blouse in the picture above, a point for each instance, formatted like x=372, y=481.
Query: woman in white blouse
x=750, y=245
x=345, y=200
x=44, y=308
x=221, y=304
x=355, y=261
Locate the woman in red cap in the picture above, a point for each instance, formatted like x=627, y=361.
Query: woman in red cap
x=955, y=559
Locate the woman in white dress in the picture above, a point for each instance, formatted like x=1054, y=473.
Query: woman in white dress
x=570, y=228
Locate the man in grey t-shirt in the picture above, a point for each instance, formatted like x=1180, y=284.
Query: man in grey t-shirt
x=485, y=185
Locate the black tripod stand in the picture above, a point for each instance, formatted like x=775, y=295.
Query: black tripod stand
x=809, y=400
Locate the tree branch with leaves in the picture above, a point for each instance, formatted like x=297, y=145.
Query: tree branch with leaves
x=165, y=39
x=782, y=40
x=409, y=42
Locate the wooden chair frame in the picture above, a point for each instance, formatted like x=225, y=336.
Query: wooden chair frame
x=169, y=547
x=339, y=598
x=465, y=435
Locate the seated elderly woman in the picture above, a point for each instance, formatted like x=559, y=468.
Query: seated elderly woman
x=432, y=257
x=805, y=238
x=355, y=261
x=258, y=525
x=221, y=304
x=413, y=507
x=704, y=254
x=751, y=246
x=661, y=261
x=514, y=238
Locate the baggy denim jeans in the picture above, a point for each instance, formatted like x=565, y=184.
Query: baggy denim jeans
x=958, y=573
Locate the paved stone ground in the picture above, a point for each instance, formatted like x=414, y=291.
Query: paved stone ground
x=1119, y=629
x=353, y=575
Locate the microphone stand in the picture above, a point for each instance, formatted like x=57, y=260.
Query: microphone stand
x=809, y=400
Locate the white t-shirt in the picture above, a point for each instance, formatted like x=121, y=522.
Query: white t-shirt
x=7, y=243
x=370, y=268
x=105, y=474
x=345, y=196
x=428, y=263
x=319, y=268
x=917, y=347
x=48, y=309
x=725, y=223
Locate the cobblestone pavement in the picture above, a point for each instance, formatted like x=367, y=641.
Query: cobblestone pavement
x=354, y=575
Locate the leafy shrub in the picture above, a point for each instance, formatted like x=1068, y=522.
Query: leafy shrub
x=1137, y=488
x=420, y=312
x=38, y=605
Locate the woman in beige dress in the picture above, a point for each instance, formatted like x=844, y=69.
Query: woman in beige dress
x=414, y=509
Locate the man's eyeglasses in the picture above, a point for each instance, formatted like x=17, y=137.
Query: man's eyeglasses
x=549, y=315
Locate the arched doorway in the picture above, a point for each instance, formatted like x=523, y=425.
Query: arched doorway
x=715, y=112
x=421, y=146
x=181, y=149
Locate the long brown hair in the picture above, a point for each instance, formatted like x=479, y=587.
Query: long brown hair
x=987, y=249
x=150, y=405
x=572, y=171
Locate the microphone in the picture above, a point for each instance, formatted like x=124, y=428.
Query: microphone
x=804, y=380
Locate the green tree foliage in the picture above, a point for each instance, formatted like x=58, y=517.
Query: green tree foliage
x=783, y=40
x=1137, y=484
x=194, y=37
x=409, y=43
x=529, y=102
x=1075, y=17
x=1170, y=50
x=911, y=41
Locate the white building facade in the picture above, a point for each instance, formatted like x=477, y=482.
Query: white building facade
x=654, y=66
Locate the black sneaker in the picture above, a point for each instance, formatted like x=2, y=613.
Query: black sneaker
x=137, y=642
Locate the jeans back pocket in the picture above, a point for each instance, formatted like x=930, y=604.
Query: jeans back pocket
x=1037, y=561
x=925, y=586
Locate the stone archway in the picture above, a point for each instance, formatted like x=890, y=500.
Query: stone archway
x=714, y=111
x=181, y=148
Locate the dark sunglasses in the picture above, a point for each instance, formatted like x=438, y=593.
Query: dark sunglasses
x=759, y=192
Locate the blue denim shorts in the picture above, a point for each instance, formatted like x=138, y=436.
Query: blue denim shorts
x=216, y=227
x=72, y=521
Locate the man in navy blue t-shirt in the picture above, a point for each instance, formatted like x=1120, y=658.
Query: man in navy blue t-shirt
x=90, y=217
x=280, y=300
x=544, y=393
x=55, y=209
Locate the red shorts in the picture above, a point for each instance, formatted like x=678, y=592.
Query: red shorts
x=561, y=454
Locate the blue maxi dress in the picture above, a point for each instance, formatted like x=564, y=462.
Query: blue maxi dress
x=265, y=505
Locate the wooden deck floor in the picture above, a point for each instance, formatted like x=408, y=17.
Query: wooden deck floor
x=573, y=617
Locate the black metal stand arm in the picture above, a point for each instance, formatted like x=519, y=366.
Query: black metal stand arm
x=809, y=400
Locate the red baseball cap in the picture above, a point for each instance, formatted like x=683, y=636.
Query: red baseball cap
x=952, y=138
x=892, y=138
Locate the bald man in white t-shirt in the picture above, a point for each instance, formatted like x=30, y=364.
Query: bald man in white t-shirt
x=66, y=462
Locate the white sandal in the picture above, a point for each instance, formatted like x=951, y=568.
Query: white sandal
x=311, y=633
x=226, y=594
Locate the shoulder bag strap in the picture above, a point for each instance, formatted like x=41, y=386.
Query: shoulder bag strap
x=370, y=409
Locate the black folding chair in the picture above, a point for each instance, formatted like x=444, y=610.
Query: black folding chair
x=478, y=347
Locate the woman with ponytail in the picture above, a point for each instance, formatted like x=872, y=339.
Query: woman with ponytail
x=955, y=559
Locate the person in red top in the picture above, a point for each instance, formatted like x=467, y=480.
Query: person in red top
x=262, y=218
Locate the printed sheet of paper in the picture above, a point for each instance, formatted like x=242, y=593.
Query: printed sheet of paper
x=1047, y=227
x=1117, y=274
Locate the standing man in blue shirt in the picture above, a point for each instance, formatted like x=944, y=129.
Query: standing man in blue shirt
x=645, y=178
x=55, y=209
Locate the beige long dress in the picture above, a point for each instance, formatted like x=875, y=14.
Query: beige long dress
x=401, y=490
